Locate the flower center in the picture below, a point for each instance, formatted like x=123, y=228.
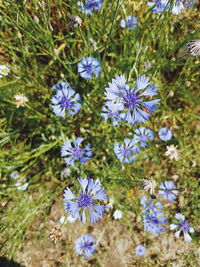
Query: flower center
x=185, y=226
x=86, y=245
x=164, y=132
x=155, y=221
x=130, y=23
x=84, y=200
x=78, y=152
x=126, y=152
x=4, y=70
x=88, y=69
x=130, y=99
x=66, y=102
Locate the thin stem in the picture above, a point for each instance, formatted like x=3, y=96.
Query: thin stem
x=110, y=32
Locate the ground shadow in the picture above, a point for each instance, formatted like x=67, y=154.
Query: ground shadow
x=4, y=262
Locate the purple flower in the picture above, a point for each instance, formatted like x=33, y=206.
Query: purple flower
x=61, y=85
x=168, y=191
x=129, y=103
x=88, y=66
x=183, y=226
x=130, y=22
x=140, y=250
x=190, y=3
x=148, y=205
x=92, y=191
x=66, y=101
x=142, y=135
x=125, y=153
x=108, y=114
x=165, y=134
x=89, y=6
x=176, y=6
x=85, y=245
x=159, y=6
x=152, y=222
x=71, y=151
x=153, y=218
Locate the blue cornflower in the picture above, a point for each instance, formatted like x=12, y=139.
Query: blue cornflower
x=142, y=135
x=150, y=206
x=85, y=244
x=129, y=103
x=159, y=6
x=130, y=22
x=152, y=216
x=183, y=226
x=165, y=134
x=140, y=250
x=190, y=3
x=71, y=151
x=177, y=6
x=107, y=114
x=65, y=101
x=88, y=66
x=152, y=222
x=167, y=191
x=89, y=6
x=92, y=192
x=125, y=153
x=60, y=85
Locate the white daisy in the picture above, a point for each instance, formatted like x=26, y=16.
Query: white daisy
x=20, y=100
x=4, y=70
x=172, y=152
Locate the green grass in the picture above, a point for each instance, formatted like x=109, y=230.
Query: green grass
x=41, y=50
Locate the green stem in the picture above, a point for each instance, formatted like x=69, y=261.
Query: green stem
x=110, y=32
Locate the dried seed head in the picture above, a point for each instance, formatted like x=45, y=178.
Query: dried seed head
x=75, y=21
x=55, y=234
x=149, y=184
x=192, y=48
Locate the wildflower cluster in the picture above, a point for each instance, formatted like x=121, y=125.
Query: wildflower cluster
x=124, y=104
x=104, y=78
x=153, y=217
x=176, y=6
x=126, y=152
